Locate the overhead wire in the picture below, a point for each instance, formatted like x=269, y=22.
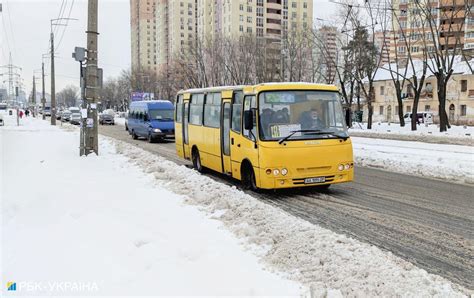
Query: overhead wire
x=65, y=27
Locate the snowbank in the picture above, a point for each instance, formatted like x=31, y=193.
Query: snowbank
x=460, y=135
x=106, y=227
x=453, y=163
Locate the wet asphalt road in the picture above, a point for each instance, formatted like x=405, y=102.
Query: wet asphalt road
x=427, y=222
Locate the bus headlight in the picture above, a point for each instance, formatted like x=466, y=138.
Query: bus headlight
x=284, y=171
x=276, y=172
x=347, y=166
x=156, y=130
x=340, y=167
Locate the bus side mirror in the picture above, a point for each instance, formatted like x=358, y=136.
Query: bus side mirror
x=248, y=120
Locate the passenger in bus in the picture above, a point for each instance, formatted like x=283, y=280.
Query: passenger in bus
x=311, y=120
x=266, y=120
x=281, y=117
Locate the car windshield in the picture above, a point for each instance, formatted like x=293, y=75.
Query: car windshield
x=304, y=114
x=161, y=115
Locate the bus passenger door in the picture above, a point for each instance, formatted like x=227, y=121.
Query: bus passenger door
x=187, y=154
x=225, y=139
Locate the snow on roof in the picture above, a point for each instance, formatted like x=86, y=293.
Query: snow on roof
x=383, y=73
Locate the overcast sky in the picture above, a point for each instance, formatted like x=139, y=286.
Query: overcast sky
x=25, y=30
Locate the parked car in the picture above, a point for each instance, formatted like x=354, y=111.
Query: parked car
x=153, y=120
x=47, y=111
x=66, y=115
x=75, y=118
x=423, y=117
x=1, y=120
x=106, y=119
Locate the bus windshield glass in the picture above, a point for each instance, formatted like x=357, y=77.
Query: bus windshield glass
x=161, y=115
x=300, y=115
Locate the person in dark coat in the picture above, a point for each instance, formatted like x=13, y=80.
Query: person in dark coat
x=311, y=120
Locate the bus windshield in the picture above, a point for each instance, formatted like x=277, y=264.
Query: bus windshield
x=161, y=115
x=304, y=114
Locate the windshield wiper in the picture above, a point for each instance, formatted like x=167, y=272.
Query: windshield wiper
x=314, y=132
x=331, y=133
x=295, y=131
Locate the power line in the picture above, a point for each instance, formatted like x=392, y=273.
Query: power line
x=67, y=22
x=11, y=26
x=60, y=15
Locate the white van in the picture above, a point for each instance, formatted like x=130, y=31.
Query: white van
x=423, y=117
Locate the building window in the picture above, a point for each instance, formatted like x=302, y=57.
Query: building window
x=305, y=5
x=381, y=110
x=241, y=28
x=294, y=5
x=249, y=19
x=463, y=110
x=427, y=108
x=241, y=7
x=463, y=85
x=382, y=90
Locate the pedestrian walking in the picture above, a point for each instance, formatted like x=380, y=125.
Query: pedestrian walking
x=21, y=114
x=27, y=113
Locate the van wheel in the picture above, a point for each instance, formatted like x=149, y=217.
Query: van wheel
x=134, y=136
x=150, y=139
x=248, y=178
x=197, y=161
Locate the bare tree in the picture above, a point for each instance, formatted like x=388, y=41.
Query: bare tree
x=445, y=23
x=68, y=96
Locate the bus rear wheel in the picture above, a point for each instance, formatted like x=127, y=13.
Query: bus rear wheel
x=248, y=178
x=196, y=158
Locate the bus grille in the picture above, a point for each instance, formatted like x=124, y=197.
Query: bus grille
x=314, y=170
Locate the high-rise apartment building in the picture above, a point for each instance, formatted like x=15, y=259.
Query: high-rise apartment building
x=164, y=28
x=143, y=35
x=453, y=20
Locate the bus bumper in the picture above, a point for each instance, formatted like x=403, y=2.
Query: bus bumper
x=278, y=182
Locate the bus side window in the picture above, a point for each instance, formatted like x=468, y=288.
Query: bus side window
x=196, y=109
x=179, y=109
x=237, y=111
x=249, y=104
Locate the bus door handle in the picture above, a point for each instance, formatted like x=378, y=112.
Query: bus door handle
x=232, y=141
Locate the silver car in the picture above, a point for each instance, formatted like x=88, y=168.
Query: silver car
x=75, y=118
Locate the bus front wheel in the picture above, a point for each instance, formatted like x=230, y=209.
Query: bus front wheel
x=248, y=178
x=197, y=160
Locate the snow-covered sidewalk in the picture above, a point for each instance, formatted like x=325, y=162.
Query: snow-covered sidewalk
x=456, y=135
x=452, y=163
x=106, y=227
x=137, y=224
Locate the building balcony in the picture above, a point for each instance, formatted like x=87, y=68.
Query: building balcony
x=273, y=5
x=273, y=26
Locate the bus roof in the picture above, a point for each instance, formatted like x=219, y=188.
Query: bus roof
x=212, y=89
x=289, y=86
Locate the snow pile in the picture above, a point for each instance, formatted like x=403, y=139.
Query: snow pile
x=329, y=263
x=461, y=135
x=453, y=163
x=103, y=227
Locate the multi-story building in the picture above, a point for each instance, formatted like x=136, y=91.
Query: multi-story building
x=383, y=41
x=143, y=35
x=161, y=29
x=451, y=18
x=459, y=97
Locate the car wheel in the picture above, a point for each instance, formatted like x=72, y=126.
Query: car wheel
x=150, y=138
x=134, y=136
x=126, y=127
x=196, y=158
x=248, y=178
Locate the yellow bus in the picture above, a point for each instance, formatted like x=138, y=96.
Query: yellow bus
x=269, y=136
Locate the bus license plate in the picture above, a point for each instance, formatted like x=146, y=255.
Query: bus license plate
x=314, y=180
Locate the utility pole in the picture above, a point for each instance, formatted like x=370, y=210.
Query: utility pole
x=33, y=98
x=53, y=86
x=43, y=98
x=91, y=141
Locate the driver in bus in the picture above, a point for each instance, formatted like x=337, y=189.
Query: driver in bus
x=311, y=120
